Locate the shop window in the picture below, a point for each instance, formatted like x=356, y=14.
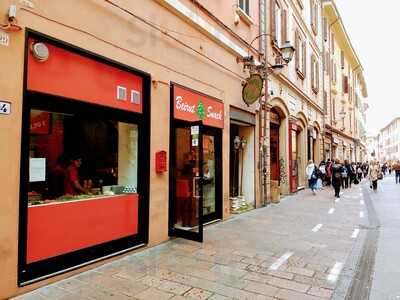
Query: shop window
x=75, y=157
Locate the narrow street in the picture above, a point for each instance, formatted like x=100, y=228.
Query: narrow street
x=298, y=249
x=386, y=275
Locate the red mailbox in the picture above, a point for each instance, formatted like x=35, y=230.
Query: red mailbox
x=161, y=161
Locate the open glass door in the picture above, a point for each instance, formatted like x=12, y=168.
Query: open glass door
x=186, y=219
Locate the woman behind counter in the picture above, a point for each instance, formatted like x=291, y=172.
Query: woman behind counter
x=71, y=180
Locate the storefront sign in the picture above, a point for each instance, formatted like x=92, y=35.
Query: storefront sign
x=192, y=106
x=78, y=77
x=5, y=108
x=252, y=89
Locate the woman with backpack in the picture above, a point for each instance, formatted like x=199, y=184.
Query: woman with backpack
x=337, y=171
x=312, y=175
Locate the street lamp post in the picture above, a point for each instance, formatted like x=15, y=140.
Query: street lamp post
x=264, y=70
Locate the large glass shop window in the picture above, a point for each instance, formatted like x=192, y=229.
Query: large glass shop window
x=83, y=177
x=76, y=158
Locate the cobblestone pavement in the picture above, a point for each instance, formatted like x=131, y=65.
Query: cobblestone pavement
x=293, y=250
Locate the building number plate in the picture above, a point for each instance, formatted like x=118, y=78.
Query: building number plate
x=5, y=108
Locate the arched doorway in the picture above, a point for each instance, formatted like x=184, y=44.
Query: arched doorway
x=278, y=148
x=274, y=141
x=299, y=152
x=317, y=157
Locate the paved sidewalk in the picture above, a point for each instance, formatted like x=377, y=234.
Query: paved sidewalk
x=294, y=250
x=386, y=271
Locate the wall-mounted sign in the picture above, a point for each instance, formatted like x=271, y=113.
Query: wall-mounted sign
x=4, y=38
x=192, y=106
x=252, y=89
x=5, y=108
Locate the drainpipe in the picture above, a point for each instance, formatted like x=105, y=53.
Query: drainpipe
x=323, y=87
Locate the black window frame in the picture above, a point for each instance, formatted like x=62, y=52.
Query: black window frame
x=33, y=272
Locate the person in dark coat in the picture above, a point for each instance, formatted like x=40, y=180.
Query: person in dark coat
x=337, y=170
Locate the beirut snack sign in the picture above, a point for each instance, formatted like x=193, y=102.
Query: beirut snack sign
x=191, y=106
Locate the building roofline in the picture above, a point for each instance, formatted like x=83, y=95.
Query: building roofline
x=360, y=69
x=390, y=123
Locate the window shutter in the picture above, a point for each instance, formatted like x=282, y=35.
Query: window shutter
x=273, y=21
x=297, y=52
x=342, y=58
x=325, y=102
x=247, y=7
x=304, y=70
x=325, y=29
x=316, y=13
x=317, y=75
x=333, y=43
x=312, y=12
x=312, y=72
x=345, y=84
x=333, y=108
x=284, y=26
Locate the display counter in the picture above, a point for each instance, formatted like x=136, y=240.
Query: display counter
x=60, y=227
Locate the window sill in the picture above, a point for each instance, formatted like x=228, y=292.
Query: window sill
x=244, y=16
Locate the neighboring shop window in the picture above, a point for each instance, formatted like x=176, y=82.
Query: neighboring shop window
x=76, y=157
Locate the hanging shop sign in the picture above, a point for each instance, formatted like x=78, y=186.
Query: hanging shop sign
x=252, y=89
x=71, y=75
x=193, y=106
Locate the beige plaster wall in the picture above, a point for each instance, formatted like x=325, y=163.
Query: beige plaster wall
x=97, y=27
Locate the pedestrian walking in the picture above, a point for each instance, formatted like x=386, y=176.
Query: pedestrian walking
x=312, y=175
x=347, y=174
x=396, y=169
x=328, y=172
x=359, y=172
x=322, y=175
x=337, y=171
x=374, y=174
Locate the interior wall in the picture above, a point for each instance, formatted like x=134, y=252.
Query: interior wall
x=248, y=164
x=128, y=136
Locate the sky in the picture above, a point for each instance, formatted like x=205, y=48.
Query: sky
x=374, y=30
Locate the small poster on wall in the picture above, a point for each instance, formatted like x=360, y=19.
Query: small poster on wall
x=37, y=169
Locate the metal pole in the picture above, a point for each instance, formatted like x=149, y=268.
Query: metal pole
x=261, y=153
x=264, y=147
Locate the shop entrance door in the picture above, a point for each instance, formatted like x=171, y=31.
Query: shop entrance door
x=187, y=178
x=195, y=179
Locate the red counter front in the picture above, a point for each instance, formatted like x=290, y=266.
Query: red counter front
x=60, y=228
